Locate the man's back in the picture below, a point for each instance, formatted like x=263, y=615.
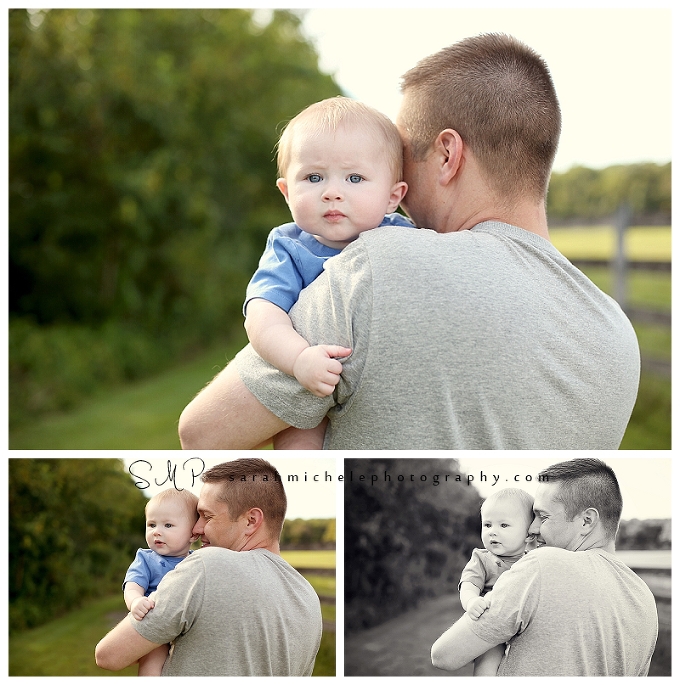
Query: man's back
x=491, y=331
x=573, y=613
x=236, y=614
x=482, y=339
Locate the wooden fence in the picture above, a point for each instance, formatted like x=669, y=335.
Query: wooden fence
x=621, y=267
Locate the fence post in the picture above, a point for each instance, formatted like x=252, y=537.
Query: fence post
x=623, y=219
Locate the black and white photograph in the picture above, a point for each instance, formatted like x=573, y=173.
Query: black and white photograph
x=508, y=566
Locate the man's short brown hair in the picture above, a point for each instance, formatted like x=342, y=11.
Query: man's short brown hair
x=497, y=93
x=251, y=483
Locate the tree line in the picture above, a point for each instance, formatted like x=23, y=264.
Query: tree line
x=404, y=540
x=583, y=194
x=141, y=185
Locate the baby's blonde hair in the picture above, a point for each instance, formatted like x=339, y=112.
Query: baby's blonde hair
x=187, y=500
x=522, y=497
x=327, y=116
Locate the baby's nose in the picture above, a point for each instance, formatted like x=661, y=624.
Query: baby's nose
x=332, y=193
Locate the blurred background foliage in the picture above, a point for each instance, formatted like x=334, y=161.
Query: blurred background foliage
x=142, y=187
x=404, y=541
x=75, y=525
x=582, y=194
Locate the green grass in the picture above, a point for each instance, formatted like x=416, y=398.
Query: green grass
x=598, y=242
x=65, y=646
x=316, y=558
x=140, y=416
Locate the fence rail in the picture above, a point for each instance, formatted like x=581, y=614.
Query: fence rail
x=620, y=267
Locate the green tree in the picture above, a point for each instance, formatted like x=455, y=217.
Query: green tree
x=74, y=526
x=583, y=193
x=141, y=175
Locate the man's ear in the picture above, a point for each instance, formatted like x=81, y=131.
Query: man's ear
x=254, y=520
x=282, y=185
x=396, y=195
x=590, y=518
x=449, y=147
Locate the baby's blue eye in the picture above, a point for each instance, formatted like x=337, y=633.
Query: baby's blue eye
x=355, y=178
x=314, y=178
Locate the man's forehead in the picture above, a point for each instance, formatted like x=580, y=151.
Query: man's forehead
x=545, y=497
x=209, y=498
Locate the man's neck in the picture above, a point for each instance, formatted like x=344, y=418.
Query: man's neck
x=529, y=216
x=262, y=543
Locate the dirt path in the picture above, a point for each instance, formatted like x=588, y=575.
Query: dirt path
x=401, y=646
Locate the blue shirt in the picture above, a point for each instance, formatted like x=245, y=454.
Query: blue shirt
x=148, y=569
x=291, y=260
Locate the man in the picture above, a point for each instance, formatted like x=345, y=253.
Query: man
x=570, y=607
x=475, y=335
x=234, y=607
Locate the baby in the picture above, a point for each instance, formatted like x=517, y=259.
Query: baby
x=170, y=518
x=506, y=518
x=340, y=168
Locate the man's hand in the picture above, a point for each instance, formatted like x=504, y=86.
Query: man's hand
x=317, y=369
x=477, y=606
x=141, y=606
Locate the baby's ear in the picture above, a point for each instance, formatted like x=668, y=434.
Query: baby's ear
x=282, y=185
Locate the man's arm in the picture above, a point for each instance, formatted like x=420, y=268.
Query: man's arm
x=226, y=415
x=458, y=646
x=122, y=647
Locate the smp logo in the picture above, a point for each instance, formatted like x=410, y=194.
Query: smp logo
x=189, y=471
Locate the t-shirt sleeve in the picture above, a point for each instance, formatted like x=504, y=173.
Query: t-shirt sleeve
x=474, y=571
x=335, y=309
x=138, y=572
x=278, y=278
x=514, y=600
x=179, y=599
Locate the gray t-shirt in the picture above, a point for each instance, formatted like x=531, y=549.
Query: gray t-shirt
x=570, y=614
x=481, y=339
x=235, y=614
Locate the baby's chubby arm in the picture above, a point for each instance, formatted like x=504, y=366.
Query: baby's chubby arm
x=138, y=605
x=273, y=337
x=471, y=601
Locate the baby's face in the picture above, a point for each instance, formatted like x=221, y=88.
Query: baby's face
x=339, y=184
x=168, y=529
x=504, y=527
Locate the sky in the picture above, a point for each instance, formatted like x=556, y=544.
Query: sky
x=645, y=482
x=611, y=67
x=313, y=497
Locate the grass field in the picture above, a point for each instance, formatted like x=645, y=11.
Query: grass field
x=65, y=647
x=641, y=243
x=317, y=558
x=145, y=415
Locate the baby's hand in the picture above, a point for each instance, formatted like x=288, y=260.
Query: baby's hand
x=318, y=370
x=477, y=606
x=141, y=606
